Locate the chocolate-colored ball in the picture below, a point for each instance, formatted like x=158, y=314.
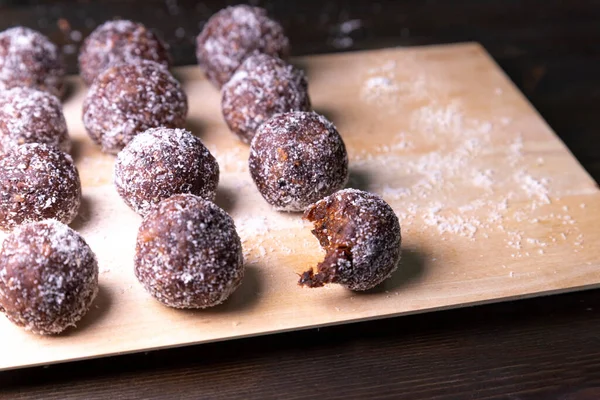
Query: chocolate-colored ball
x=48, y=277
x=233, y=34
x=361, y=236
x=262, y=87
x=31, y=116
x=128, y=99
x=297, y=158
x=188, y=253
x=30, y=59
x=161, y=162
x=37, y=182
x=119, y=42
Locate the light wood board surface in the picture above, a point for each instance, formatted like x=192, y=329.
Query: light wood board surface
x=492, y=207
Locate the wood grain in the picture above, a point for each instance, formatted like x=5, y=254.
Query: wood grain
x=397, y=129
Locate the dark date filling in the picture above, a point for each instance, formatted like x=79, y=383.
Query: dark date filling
x=334, y=233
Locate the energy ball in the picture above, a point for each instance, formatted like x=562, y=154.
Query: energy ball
x=48, y=277
x=119, y=42
x=233, y=34
x=297, y=158
x=188, y=253
x=30, y=59
x=128, y=99
x=162, y=162
x=262, y=87
x=38, y=182
x=361, y=236
x=31, y=116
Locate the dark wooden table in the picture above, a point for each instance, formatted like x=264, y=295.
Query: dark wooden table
x=546, y=348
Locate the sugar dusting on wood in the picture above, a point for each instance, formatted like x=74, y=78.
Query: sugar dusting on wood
x=449, y=155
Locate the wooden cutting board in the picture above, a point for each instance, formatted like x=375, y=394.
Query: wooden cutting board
x=492, y=207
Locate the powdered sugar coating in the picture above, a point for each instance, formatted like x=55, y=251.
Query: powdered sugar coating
x=297, y=158
x=233, y=34
x=188, y=253
x=361, y=235
x=262, y=87
x=31, y=116
x=48, y=277
x=161, y=162
x=128, y=99
x=117, y=42
x=38, y=182
x=30, y=59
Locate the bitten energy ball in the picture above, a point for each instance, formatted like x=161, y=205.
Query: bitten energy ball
x=188, y=253
x=37, y=182
x=48, y=277
x=297, y=158
x=30, y=59
x=119, y=42
x=262, y=87
x=361, y=236
x=31, y=116
x=162, y=162
x=233, y=34
x=128, y=99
